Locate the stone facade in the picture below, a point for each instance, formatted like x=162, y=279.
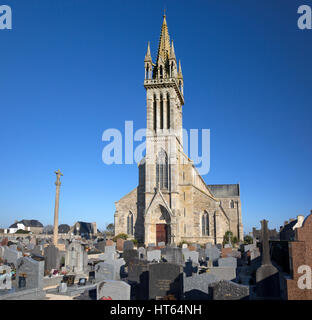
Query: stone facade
x=172, y=201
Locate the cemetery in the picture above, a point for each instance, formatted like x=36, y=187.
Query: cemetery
x=103, y=269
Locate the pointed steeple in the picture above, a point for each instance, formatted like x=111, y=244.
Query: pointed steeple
x=164, y=43
x=148, y=57
x=180, y=71
x=172, y=53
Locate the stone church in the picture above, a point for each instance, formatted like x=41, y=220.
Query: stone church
x=172, y=202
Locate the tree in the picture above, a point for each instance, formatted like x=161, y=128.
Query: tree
x=121, y=236
x=48, y=229
x=229, y=235
x=248, y=239
x=22, y=231
x=110, y=228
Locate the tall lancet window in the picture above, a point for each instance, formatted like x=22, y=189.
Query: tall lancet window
x=154, y=113
x=130, y=224
x=168, y=111
x=162, y=170
x=161, y=112
x=205, y=224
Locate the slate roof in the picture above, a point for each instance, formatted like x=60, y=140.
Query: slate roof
x=63, y=228
x=224, y=190
x=28, y=223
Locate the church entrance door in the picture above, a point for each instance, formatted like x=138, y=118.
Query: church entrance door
x=161, y=233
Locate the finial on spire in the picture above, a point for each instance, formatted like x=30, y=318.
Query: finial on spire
x=148, y=56
x=180, y=70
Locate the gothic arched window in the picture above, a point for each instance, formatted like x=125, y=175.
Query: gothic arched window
x=168, y=111
x=161, y=112
x=232, y=204
x=205, y=224
x=130, y=224
x=162, y=170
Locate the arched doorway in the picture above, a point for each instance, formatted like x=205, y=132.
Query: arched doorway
x=163, y=231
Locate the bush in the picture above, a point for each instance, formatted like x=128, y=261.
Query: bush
x=248, y=240
x=22, y=231
x=184, y=242
x=135, y=241
x=62, y=261
x=120, y=236
x=227, y=235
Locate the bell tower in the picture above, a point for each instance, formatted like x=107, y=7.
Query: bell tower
x=164, y=140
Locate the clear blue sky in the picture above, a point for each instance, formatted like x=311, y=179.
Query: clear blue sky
x=72, y=68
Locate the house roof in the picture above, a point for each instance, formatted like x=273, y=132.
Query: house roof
x=63, y=228
x=85, y=227
x=28, y=223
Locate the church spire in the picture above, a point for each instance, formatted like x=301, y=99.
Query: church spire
x=180, y=71
x=164, y=43
x=148, y=57
x=172, y=53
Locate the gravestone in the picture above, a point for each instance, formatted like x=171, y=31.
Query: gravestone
x=228, y=290
x=227, y=262
x=190, y=255
x=62, y=287
x=173, y=255
x=13, y=246
x=11, y=255
x=248, y=247
x=69, y=279
x=104, y=271
x=202, y=254
x=113, y=290
x=267, y=276
x=5, y=281
x=142, y=253
x=190, y=268
x=225, y=252
x=165, y=279
x=196, y=287
x=213, y=254
x=128, y=245
x=100, y=246
x=153, y=255
x=129, y=255
x=91, y=276
x=120, y=244
x=76, y=258
x=109, y=254
x=138, y=276
x=32, y=271
x=208, y=245
x=51, y=258
x=4, y=242
x=223, y=273
x=37, y=250
x=110, y=243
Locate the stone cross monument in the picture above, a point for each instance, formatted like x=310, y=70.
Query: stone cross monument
x=56, y=208
x=267, y=276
